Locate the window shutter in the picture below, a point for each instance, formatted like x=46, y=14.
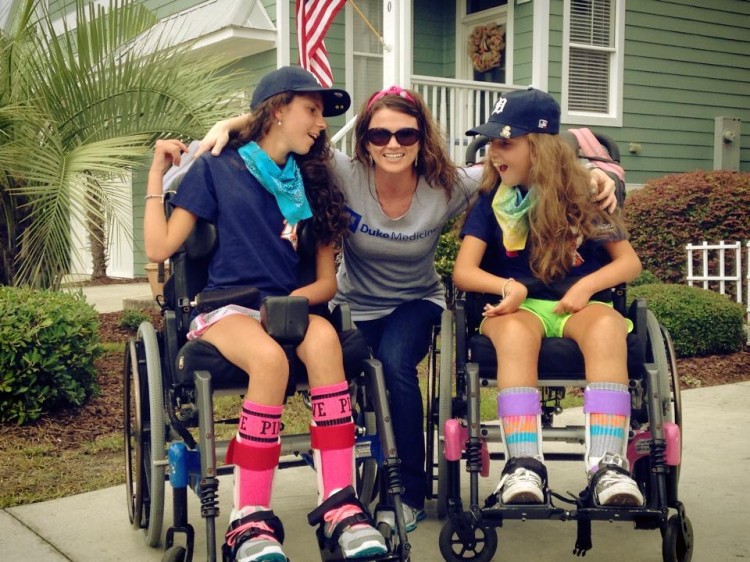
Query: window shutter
x=590, y=56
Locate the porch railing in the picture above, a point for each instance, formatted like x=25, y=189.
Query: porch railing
x=456, y=105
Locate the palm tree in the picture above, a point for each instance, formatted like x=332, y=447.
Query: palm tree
x=79, y=108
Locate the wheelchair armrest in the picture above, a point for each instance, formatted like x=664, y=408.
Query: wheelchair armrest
x=207, y=301
x=285, y=319
x=637, y=314
x=341, y=317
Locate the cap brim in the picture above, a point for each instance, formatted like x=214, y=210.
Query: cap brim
x=494, y=130
x=335, y=101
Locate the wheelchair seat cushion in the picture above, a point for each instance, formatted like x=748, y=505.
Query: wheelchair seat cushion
x=559, y=358
x=199, y=355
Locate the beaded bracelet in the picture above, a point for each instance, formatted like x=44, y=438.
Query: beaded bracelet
x=506, y=290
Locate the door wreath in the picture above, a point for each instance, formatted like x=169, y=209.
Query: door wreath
x=486, y=44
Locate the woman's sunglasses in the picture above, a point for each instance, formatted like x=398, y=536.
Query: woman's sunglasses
x=404, y=137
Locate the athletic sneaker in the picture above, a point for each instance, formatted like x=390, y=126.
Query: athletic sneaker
x=412, y=516
x=520, y=486
x=358, y=540
x=613, y=483
x=259, y=543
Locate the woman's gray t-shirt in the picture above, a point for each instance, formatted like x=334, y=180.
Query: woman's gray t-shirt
x=387, y=262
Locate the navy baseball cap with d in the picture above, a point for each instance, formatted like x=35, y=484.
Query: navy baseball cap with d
x=297, y=79
x=521, y=112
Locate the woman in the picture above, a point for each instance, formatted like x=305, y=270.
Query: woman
x=400, y=188
x=256, y=194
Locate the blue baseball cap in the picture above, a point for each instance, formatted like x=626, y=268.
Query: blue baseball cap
x=521, y=112
x=297, y=79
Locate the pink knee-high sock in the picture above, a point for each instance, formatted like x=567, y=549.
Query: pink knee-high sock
x=332, y=434
x=255, y=454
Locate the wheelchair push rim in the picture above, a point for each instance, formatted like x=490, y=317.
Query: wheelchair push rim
x=144, y=434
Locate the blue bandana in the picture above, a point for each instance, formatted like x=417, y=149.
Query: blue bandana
x=285, y=185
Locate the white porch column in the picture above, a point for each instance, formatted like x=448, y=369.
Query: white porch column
x=397, y=51
x=540, y=48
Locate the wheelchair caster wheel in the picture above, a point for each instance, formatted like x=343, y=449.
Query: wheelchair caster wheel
x=174, y=554
x=677, y=542
x=462, y=539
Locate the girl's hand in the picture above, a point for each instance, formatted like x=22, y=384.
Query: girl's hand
x=216, y=138
x=166, y=153
x=603, y=190
x=575, y=299
x=516, y=294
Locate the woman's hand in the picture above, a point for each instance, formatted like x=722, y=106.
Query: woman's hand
x=215, y=139
x=603, y=190
x=514, y=296
x=166, y=153
x=575, y=299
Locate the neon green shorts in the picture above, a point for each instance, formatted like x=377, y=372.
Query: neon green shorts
x=553, y=323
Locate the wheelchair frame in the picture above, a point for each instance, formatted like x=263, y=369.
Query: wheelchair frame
x=455, y=434
x=159, y=446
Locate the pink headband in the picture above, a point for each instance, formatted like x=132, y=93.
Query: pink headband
x=392, y=91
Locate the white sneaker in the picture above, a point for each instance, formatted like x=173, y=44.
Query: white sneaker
x=520, y=485
x=613, y=483
x=412, y=516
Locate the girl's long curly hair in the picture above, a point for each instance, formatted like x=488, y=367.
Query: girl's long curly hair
x=562, y=211
x=433, y=161
x=329, y=219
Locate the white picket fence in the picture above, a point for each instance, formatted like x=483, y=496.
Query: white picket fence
x=719, y=268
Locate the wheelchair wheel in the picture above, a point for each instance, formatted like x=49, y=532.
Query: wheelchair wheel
x=677, y=542
x=144, y=427
x=461, y=539
x=445, y=408
x=174, y=554
x=366, y=474
x=659, y=353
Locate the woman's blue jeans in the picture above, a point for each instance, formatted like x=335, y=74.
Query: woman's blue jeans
x=400, y=341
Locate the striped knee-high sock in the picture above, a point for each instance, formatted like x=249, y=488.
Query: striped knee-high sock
x=255, y=454
x=520, y=414
x=332, y=437
x=607, y=409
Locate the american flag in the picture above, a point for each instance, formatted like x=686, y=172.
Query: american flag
x=314, y=17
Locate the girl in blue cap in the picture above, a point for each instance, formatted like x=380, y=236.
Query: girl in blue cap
x=534, y=239
x=256, y=193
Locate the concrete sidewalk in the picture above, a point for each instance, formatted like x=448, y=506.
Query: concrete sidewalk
x=714, y=488
x=114, y=297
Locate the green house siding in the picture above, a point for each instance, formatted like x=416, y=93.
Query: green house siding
x=684, y=66
x=434, y=38
x=523, y=43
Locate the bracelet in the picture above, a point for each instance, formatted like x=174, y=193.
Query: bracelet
x=506, y=290
x=590, y=166
x=154, y=196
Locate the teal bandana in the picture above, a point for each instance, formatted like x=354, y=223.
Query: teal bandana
x=511, y=210
x=285, y=185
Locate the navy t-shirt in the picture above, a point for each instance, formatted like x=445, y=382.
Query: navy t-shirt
x=250, y=249
x=481, y=223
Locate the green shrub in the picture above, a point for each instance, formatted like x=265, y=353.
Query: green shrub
x=700, y=322
x=131, y=319
x=48, y=344
x=671, y=212
x=645, y=278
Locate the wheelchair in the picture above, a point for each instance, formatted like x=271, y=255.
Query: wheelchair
x=169, y=426
x=460, y=438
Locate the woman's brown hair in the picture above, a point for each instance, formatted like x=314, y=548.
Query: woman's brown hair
x=433, y=161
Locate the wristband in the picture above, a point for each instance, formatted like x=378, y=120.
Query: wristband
x=154, y=196
x=506, y=288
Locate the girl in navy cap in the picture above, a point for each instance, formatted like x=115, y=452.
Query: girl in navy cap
x=256, y=193
x=534, y=239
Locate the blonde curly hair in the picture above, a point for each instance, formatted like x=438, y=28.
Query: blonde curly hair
x=562, y=211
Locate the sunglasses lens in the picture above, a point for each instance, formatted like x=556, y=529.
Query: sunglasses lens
x=407, y=137
x=404, y=137
x=379, y=137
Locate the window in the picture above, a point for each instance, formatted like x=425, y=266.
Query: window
x=592, y=61
x=367, y=52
